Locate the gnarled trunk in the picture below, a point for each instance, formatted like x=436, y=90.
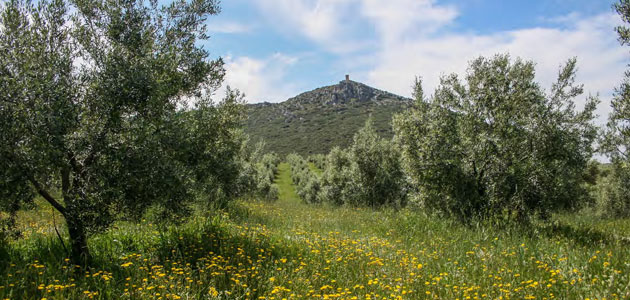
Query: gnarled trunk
x=80, y=254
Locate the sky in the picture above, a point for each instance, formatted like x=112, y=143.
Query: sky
x=276, y=49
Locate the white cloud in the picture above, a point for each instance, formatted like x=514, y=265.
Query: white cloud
x=601, y=60
x=396, y=20
x=329, y=23
x=334, y=24
x=260, y=79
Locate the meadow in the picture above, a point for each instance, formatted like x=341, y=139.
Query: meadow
x=290, y=250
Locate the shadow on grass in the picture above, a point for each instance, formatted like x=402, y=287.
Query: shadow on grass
x=194, y=245
x=583, y=236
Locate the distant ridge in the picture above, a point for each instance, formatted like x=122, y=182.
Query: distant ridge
x=315, y=121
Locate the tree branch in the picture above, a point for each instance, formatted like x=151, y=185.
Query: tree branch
x=47, y=196
x=73, y=162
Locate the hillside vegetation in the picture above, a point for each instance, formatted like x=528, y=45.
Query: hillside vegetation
x=316, y=121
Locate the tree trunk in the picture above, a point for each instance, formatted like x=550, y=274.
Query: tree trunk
x=78, y=239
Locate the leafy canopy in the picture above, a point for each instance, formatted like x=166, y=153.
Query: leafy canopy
x=616, y=139
x=496, y=143
x=91, y=112
x=367, y=173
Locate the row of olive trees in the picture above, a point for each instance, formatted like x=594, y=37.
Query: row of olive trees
x=307, y=182
x=318, y=160
x=258, y=172
x=368, y=173
x=492, y=145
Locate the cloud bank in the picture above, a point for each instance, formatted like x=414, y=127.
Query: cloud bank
x=259, y=79
x=388, y=43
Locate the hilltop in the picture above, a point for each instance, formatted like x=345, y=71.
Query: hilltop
x=315, y=121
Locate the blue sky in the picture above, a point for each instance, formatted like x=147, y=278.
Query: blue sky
x=275, y=49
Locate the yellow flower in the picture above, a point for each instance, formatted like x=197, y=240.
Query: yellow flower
x=213, y=292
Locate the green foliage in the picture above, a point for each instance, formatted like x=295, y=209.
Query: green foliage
x=318, y=160
x=497, y=144
x=90, y=116
x=337, y=184
x=623, y=9
x=257, y=173
x=616, y=140
x=266, y=170
x=376, y=169
x=616, y=192
x=369, y=174
x=307, y=183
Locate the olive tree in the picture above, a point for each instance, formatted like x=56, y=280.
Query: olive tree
x=337, y=185
x=376, y=169
x=367, y=173
x=91, y=115
x=308, y=185
x=496, y=143
x=616, y=141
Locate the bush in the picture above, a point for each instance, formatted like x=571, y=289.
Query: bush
x=616, y=192
x=369, y=174
x=376, y=169
x=258, y=173
x=337, y=185
x=273, y=193
x=318, y=160
x=497, y=144
x=616, y=140
x=306, y=181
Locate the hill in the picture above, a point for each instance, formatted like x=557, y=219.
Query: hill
x=315, y=121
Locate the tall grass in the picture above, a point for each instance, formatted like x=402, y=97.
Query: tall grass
x=288, y=249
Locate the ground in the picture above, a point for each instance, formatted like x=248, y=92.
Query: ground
x=290, y=250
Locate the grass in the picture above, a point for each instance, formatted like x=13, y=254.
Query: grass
x=291, y=250
x=286, y=189
x=315, y=169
